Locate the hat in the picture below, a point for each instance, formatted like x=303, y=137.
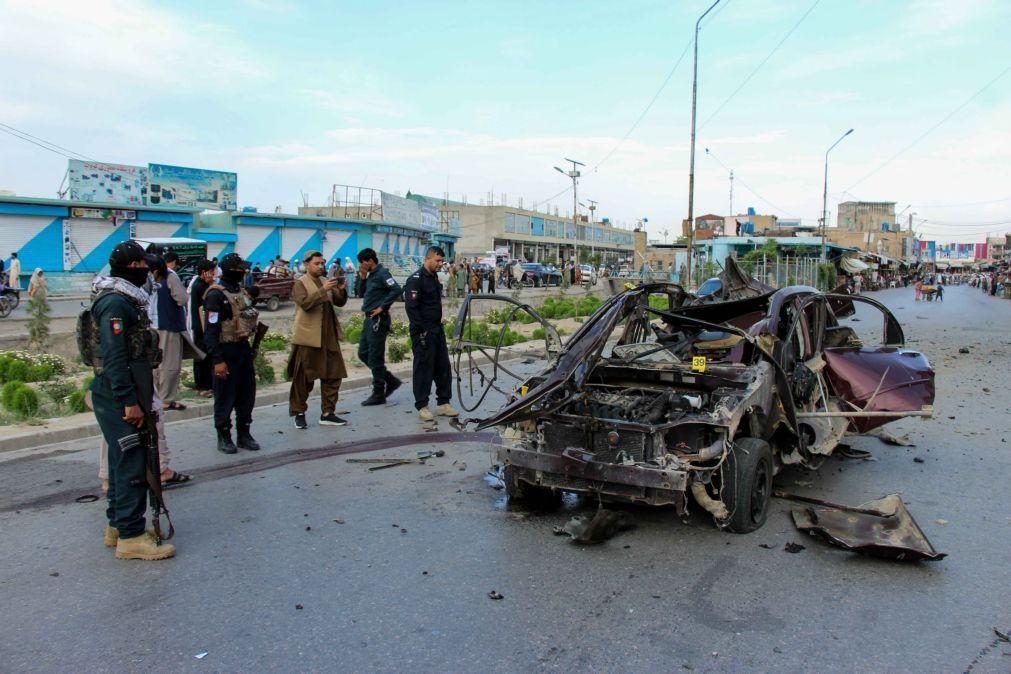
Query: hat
x=310, y=254
x=232, y=261
x=126, y=253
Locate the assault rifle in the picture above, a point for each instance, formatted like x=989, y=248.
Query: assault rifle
x=147, y=440
x=261, y=330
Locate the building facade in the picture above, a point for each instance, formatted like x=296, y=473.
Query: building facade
x=866, y=216
x=534, y=236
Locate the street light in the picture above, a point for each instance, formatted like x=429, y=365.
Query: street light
x=824, y=196
x=691, y=170
x=574, y=174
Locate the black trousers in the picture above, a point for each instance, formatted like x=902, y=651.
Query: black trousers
x=431, y=363
x=203, y=370
x=372, y=346
x=237, y=391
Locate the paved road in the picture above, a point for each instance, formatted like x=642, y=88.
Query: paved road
x=403, y=582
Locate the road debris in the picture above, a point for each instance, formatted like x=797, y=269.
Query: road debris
x=881, y=528
x=384, y=463
x=918, y=459
x=963, y=349
x=201, y=656
x=891, y=439
x=794, y=547
x=495, y=595
x=339, y=520
x=603, y=525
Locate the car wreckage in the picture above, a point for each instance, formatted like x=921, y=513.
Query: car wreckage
x=661, y=394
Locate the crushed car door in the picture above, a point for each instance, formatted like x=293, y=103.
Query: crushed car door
x=877, y=382
x=476, y=376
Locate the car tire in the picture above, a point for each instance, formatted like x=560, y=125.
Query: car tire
x=273, y=303
x=747, y=484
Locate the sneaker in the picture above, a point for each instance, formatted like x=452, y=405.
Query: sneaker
x=446, y=410
x=300, y=422
x=332, y=420
x=425, y=414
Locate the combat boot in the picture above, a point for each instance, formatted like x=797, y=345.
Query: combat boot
x=244, y=440
x=112, y=536
x=392, y=384
x=378, y=396
x=143, y=547
x=225, y=443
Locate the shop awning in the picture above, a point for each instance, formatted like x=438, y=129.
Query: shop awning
x=852, y=265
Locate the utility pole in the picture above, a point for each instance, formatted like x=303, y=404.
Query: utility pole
x=824, y=198
x=691, y=170
x=574, y=174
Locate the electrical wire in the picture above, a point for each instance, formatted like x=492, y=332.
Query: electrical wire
x=975, y=203
x=933, y=128
x=645, y=110
x=25, y=136
x=759, y=66
x=737, y=178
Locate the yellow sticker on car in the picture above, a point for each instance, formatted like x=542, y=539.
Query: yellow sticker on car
x=698, y=363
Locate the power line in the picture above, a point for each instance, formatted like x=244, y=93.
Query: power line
x=645, y=110
x=975, y=203
x=933, y=128
x=25, y=136
x=759, y=66
x=738, y=178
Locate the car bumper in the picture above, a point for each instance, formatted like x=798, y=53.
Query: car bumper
x=573, y=471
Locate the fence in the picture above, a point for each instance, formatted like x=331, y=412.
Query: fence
x=776, y=272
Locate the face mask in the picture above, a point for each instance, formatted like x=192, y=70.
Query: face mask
x=232, y=275
x=135, y=275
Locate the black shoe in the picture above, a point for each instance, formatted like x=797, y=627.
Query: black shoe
x=392, y=384
x=300, y=422
x=332, y=420
x=246, y=441
x=225, y=443
x=378, y=396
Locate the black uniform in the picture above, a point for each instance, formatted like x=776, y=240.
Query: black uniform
x=202, y=376
x=237, y=391
x=378, y=290
x=423, y=302
x=125, y=378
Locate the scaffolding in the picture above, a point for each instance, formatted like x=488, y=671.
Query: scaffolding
x=356, y=202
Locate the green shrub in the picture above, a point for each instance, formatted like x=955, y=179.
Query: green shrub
x=58, y=390
x=538, y=333
x=274, y=341
x=400, y=328
x=397, y=350
x=75, y=402
x=264, y=370
x=588, y=305
x=8, y=391
x=17, y=371
x=352, y=335
x=5, y=362
x=26, y=402
x=39, y=372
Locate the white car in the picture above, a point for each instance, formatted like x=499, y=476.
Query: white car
x=589, y=273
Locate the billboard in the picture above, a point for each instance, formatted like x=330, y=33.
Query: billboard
x=107, y=183
x=429, y=217
x=401, y=211
x=198, y=188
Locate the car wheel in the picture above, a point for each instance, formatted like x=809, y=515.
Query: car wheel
x=518, y=490
x=274, y=303
x=747, y=484
x=5, y=307
x=13, y=297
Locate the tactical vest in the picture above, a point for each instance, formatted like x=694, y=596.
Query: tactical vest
x=242, y=324
x=141, y=339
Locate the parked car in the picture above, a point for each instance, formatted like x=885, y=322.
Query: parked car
x=537, y=275
x=646, y=404
x=589, y=274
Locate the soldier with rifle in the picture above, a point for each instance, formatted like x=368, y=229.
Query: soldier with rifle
x=230, y=320
x=116, y=339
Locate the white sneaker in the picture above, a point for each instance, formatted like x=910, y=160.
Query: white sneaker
x=425, y=414
x=446, y=410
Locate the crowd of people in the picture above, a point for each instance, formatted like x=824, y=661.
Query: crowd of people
x=144, y=323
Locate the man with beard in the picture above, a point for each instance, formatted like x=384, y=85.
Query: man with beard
x=229, y=323
x=316, y=350
x=123, y=388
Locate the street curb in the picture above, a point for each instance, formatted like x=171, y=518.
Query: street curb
x=88, y=427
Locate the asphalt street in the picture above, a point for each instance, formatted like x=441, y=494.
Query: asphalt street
x=295, y=560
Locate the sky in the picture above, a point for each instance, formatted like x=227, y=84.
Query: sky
x=484, y=97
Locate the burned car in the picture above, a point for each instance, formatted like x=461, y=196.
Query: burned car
x=658, y=396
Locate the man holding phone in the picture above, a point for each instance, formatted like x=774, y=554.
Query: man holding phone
x=316, y=352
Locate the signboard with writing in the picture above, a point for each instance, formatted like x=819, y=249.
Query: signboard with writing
x=401, y=211
x=107, y=183
x=198, y=188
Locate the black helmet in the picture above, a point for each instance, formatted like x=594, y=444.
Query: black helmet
x=232, y=261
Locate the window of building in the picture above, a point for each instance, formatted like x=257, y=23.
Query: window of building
x=522, y=224
x=510, y=222
x=551, y=228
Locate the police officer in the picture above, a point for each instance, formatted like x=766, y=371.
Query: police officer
x=121, y=393
x=229, y=323
x=423, y=302
x=378, y=292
